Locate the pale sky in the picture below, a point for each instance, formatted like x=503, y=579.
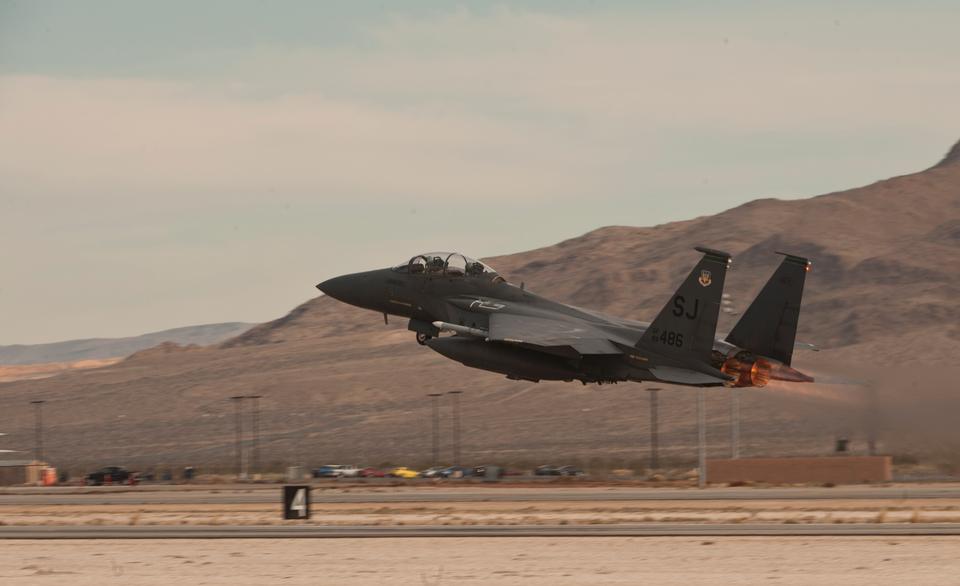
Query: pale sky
x=175, y=163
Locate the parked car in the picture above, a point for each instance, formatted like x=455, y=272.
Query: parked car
x=434, y=472
x=402, y=472
x=552, y=470
x=547, y=470
x=111, y=475
x=456, y=472
x=336, y=471
x=482, y=470
x=570, y=471
x=371, y=473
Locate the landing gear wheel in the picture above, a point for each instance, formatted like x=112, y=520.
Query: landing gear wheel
x=422, y=338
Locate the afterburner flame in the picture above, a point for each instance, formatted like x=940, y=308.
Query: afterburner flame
x=760, y=373
x=749, y=370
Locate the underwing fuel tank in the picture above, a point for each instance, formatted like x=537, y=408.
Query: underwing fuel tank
x=512, y=361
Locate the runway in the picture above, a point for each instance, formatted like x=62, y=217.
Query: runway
x=259, y=494
x=428, y=531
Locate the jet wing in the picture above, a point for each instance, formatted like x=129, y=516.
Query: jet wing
x=551, y=335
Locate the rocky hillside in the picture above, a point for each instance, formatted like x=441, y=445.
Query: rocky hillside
x=339, y=385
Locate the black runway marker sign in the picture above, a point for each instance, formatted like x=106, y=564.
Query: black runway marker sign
x=296, y=502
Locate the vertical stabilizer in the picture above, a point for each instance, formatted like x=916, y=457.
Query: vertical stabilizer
x=769, y=326
x=685, y=328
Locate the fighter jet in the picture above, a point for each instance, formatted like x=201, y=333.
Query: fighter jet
x=466, y=311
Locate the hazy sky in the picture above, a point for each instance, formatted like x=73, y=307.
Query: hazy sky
x=176, y=163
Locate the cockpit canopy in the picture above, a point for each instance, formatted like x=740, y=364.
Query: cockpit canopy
x=451, y=264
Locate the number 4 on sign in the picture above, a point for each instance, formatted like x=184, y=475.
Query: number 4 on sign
x=299, y=504
x=296, y=502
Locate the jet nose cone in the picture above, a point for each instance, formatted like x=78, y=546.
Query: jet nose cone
x=366, y=290
x=337, y=287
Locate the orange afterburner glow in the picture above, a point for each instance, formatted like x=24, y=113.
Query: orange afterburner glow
x=750, y=371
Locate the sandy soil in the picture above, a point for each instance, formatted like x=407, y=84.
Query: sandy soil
x=498, y=513
x=10, y=372
x=865, y=561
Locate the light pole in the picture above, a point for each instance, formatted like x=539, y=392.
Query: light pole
x=238, y=410
x=654, y=428
x=255, y=423
x=734, y=423
x=456, y=426
x=873, y=416
x=435, y=406
x=702, y=437
x=38, y=429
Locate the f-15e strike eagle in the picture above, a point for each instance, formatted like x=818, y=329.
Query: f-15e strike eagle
x=503, y=328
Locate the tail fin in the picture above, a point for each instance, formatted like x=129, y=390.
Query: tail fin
x=686, y=326
x=769, y=326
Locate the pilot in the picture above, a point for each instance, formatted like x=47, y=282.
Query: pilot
x=474, y=268
x=436, y=264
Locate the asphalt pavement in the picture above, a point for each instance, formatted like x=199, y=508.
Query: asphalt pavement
x=258, y=494
x=360, y=531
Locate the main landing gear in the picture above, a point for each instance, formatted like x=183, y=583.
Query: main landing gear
x=422, y=338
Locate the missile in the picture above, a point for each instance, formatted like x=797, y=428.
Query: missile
x=448, y=327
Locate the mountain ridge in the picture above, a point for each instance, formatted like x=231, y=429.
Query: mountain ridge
x=952, y=157
x=102, y=348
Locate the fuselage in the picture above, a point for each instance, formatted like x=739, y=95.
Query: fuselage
x=469, y=299
x=504, y=328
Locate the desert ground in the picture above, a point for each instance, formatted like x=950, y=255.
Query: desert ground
x=15, y=372
x=594, y=503
x=494, y=513
x=867, y=561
